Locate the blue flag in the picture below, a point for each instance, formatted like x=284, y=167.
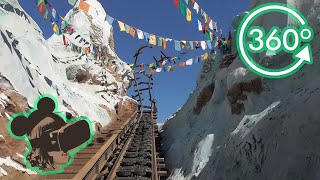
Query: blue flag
x=146, y=35
x=109, y=19
x=209, y=44
x=177, y=45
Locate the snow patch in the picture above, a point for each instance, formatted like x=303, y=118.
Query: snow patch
x=10, y=163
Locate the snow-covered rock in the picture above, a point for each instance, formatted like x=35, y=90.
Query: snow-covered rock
x=260, y=128
x=31, y=65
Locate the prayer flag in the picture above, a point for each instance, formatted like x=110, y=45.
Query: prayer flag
x=197, y=45
x=109, y=19
x=211, y=24
x=182, y=64
x=152, y=72
x=121, y=26
x=204, y=56
x=72, y=2
x=203, y=45
x=84, y=6
x=189, y=15
x=189, y=62
x=192, y=1
x=176, y=3
x=205, y=17
x=132, y=32
x=153, y=39
x=151, y=65
x=127, y=28
x=187, y=2
x=191, y=45
x=207, y=36
x=198, y=59
x=158, y=70
x=196, y=7
x=199, y=25
x=183, y=44
x=46, y=15
x=164, y=62
x=164, y=43
x=215, y=27
x=209, y=44
x=42, y=8
x=211, y=36
x=54, y=13
x=55, y=28
x=38, y=2
x=140, y=34
x=182, y=8
x=146, y=35
x=160, y=41
x=177, y=45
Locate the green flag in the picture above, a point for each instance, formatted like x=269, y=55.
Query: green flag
x=72, y=2
x=183, y=7
x=46, y=15
x=38, y=2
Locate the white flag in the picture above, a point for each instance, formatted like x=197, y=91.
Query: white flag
x=211, y=25
x=158, y=70
x=189, y=62
x=140, y=34
x=203, y=45
x=54, y=13
x=196, y=7
x=164, y=63
x=199, y=25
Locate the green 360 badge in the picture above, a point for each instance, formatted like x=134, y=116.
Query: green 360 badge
x=275, y=40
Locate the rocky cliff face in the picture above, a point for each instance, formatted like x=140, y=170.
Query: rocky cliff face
x=31, y=65
x=237, y=125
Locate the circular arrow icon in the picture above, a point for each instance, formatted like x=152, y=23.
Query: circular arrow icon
x=274, y=41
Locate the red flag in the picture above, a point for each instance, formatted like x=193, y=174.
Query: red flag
x=176, y=3
x=42, y=7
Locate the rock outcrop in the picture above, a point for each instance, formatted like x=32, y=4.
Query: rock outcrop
x=250, y=127
x=31, y=65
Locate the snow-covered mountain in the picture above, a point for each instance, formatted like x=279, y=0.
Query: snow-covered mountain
x=31, y=65
x=237, y=125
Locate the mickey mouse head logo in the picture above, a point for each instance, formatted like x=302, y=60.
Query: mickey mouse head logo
x=52, y=139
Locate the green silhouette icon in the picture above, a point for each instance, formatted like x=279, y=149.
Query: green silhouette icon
x=52, y=139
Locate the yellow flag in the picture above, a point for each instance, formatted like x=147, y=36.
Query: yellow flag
x=152, y=39
x=55, y=28
x=204, y=56
x=189, y=15
x=121, y=26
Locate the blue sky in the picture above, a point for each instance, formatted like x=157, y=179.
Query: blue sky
x=162, y=18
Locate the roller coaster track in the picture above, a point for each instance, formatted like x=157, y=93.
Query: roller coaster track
x=128, y=149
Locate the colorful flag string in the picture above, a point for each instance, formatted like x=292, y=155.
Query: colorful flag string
x=207, y=27
x=168, y=65
x=156, y=40
x=46, y=9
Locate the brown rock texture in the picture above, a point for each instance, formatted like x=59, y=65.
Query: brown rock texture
x=206, y=67
x=227, y=61
x=127, y=108
x=236, y=92
x=204, y=98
